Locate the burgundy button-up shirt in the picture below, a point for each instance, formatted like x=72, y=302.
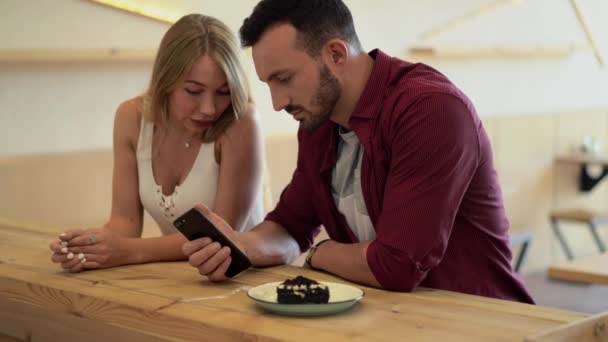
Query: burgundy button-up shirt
x=429, y=185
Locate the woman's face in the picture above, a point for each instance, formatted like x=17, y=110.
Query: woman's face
x=201, y=97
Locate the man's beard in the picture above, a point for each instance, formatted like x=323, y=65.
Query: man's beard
x=325, y=100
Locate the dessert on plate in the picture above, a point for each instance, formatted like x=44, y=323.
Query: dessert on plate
x=302, y=290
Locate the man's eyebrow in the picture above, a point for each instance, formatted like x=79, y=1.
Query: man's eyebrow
x=274, y=75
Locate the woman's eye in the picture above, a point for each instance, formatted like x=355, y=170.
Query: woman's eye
x=192, y=92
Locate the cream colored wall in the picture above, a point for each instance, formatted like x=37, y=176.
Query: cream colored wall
x=533, y=183
x=68, y=107
x=72, y=189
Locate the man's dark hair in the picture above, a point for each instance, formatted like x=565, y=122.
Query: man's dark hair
x=316, y=21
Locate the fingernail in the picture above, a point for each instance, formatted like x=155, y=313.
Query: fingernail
x=64, y=243
x=70, y=256
x=62, y=234
x=80, y=256
x=64, y=250
x=83, y=260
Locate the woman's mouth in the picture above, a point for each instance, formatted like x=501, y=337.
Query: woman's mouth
x=201, y=123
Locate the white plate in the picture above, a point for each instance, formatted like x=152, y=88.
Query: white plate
x=341, y=297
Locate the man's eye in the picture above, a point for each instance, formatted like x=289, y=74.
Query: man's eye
x=284, y=79
x=192, y=92
x=223, y=92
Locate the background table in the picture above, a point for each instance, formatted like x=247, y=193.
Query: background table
x=592, y=269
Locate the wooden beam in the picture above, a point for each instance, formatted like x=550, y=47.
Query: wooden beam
x=490, y=53
x=585, y=26
x=457, y=21
x=77, y=55
x=141, y=9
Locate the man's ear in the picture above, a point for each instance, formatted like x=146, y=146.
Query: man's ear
x=336, y=52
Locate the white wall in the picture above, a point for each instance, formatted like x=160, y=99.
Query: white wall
x=70, y=106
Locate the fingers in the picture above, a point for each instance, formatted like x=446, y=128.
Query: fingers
x=86, y=239
x=192, y=246
x=76, y=262
x=212, y=217
x=209, y=259
x=69, y=262
x=70, y=234
x=204, y=254
x=220, y=273
x=203, y=209
x=58, y=246
x=210, y=267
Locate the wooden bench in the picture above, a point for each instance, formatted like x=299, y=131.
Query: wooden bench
x=523, y=240
x=591, y=219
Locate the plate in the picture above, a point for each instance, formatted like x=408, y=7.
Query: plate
x=341, y=297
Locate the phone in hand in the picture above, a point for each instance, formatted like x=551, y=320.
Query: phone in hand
x=195, y=225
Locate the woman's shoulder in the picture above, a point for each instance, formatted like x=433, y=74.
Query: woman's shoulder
x=128, y=118
x=247, y=122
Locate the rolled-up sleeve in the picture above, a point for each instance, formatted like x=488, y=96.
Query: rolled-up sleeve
x=434, y=154
x=295, y=210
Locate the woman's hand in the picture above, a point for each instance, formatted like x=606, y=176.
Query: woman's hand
x=79, y=250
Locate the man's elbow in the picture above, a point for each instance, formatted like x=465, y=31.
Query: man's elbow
x=398, y=283
x=395, y=271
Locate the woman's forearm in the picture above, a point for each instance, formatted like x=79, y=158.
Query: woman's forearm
x=163, y=248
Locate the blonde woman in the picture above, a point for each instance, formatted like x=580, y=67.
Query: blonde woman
x=193, y=137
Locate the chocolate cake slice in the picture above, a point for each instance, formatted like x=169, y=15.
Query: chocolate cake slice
x=301, y=290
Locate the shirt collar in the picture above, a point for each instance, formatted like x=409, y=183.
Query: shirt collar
x=372, y=95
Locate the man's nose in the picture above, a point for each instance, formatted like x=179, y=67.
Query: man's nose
x=280, y=100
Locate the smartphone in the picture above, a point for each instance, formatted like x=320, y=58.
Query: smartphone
x=195, y=225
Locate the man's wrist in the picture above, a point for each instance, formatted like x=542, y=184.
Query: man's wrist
x=312, y=251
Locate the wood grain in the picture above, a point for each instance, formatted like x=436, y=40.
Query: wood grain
x=591, y=329
x=171, y=301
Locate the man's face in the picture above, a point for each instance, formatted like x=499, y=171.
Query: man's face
x=302, y=85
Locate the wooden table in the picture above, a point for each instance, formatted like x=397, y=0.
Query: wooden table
x=593, y=269
x=170, y=301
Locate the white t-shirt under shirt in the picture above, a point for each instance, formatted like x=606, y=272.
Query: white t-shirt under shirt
x=346, y=186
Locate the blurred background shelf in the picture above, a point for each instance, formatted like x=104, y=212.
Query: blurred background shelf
x=459, y=53
x=76, y=55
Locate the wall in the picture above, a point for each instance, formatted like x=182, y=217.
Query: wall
x=70, y=106
x=534, y=110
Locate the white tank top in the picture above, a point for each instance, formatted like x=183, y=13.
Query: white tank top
x=200, y=185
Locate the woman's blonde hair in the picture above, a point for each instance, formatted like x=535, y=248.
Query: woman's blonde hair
x=191, y=37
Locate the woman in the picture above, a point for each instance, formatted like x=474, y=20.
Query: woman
x=193, y=137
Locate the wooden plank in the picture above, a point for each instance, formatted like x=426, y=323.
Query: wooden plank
x=585, y=26
x=76, y=55
x=466, y=17
x=593, y=269
x=427, y=52
x=591, y=329
x=25, y=322
x=582, y=159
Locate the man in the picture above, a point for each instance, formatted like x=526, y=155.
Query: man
x=393, y=161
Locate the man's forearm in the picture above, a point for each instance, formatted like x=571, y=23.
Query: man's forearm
x=270, y=244
x=348, y=261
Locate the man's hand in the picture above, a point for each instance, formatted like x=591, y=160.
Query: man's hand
x=209, y=257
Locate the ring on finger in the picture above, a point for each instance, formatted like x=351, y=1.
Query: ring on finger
x=93, y=239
